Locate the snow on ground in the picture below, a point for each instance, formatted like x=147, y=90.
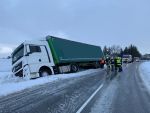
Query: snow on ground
x=10, y=84
x=17, y=84
x=5, y=65
x=5, y=70
x=145, y=73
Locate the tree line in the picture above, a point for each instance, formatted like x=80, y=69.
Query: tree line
x=117, y=50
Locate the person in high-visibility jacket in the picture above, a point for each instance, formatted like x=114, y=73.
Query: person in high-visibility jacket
x=118, y=63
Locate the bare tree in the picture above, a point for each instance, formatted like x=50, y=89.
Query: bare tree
x=115, y=49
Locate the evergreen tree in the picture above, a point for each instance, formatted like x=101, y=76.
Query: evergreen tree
x=132, y=50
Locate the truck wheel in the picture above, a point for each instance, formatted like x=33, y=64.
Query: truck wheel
x=45, y=72
x=97, y=65
x=74, y=68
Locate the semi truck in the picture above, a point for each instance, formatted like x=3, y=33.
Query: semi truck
x=53, y=55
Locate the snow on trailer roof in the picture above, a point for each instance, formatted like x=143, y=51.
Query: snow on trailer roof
x=47, y=37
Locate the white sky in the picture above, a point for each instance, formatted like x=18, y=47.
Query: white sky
x=99, y=22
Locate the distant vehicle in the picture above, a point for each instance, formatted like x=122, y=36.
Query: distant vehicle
x=53, y=56
x=127, y=59
x=136, y=59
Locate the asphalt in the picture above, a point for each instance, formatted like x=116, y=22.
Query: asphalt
x=132, y=95
x=125, y=93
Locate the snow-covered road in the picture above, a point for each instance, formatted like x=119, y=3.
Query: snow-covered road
x=67, y=93
x=126, y=93
x=62, y=96
x=10, y=84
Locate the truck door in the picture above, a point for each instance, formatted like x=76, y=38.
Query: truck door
x=38, y=55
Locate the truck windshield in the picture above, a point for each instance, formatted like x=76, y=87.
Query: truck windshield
x=19, y=52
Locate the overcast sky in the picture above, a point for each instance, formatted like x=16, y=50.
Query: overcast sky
x=99, y=22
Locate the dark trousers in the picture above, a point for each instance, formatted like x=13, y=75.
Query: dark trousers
x=112, y=67
x=119, y=67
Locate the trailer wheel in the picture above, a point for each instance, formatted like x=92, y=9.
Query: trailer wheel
x=45, y=72
x=102, y=66
x=74, y=68
x=97, y=65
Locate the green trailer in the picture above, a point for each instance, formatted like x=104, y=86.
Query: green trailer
x=53, y=55
x=71, y=52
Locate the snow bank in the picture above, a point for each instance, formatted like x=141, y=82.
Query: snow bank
x=5, y=70
x=5, y=65
x=12, y=84
x=145, y=73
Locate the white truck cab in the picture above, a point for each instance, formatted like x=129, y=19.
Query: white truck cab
x=32, y=60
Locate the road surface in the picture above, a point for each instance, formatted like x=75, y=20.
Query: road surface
x=125, y=93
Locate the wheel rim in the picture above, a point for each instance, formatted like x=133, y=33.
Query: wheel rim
x=44, y=74
x=74, y=68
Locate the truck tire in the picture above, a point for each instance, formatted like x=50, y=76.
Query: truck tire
x=74, y=68
x=45, y=72
x=96, y=65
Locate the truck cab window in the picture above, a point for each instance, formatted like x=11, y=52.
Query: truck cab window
x=34, y=49
x=18, y=54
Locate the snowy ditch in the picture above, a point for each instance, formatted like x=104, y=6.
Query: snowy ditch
x=11, y=84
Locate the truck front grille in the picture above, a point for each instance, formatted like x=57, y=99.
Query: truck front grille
x=20, y=73
x=17, y=67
